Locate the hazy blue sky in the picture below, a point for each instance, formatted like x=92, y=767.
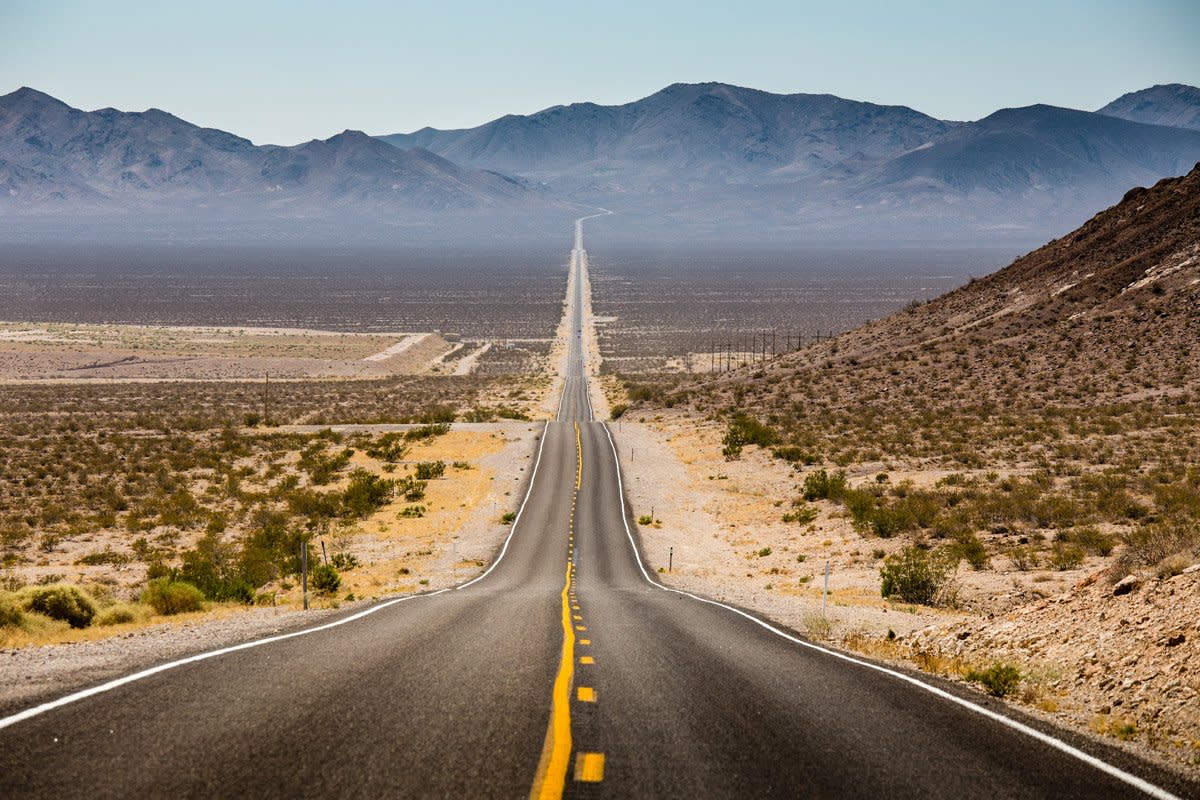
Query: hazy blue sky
x=287, y=72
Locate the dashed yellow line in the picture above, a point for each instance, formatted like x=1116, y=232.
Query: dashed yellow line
x=586, y=660
x=589, y=767
x=551, y=776
x=587, y=694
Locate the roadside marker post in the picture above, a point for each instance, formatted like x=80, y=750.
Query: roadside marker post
x=825, y=591
x=304, y=572
x=670, y=558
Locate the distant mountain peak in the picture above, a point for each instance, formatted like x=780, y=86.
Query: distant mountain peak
x=1172, y=104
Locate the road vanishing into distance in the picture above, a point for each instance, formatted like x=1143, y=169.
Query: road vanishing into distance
x=565, y=669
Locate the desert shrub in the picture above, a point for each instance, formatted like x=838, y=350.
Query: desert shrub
x=1064, y=556
x=1092, y=539
x=105, y=556
x=428, y=470
x=366, y=493
x=821, y=485
x=215, y=567
x=325, y=579
x=794, y=454
x=390, y=448
x=412, y=512
x=802, y=513
x=120, y=614
x=344, y=561
x=1150, y=544
x=645, y=519
x=742, y=430
x=411, y=489
x=12, y=615
x=1024, y=558
x=999, y=679
x=618, y=410
x=915, y=576
x=508, y=517
x=430, y=430
x=511, y=412
x=969, y=548
x=168, y=596
x=321, y=467
x=61, y=601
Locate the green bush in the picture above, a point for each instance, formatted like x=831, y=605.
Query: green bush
x=429, y=431
x=411, y=489
x=120, y=614
x=389, y=448
x=168, y=597
x=344, y=561
x=618, y=410
x=915, y=576
x=428, y=470
x=215, y=568
x=60, y=601
x=802, y=513
x=325, y=579
x=999, y=679
x=820, y=485
x=794, y=454
x=1064, y=556
x=12, y=615
x=366, y=493
x=970, y=548
x=744, y=429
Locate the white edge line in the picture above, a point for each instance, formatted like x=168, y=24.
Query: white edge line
x=1045, y=738
x=146, y=673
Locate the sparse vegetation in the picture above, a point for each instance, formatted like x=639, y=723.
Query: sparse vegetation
x=170, y=597
x=916, y=576
x=999, y=679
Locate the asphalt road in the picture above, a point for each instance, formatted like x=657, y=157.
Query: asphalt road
x=563, y=670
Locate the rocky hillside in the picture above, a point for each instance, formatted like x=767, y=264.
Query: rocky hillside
x=1108, y=313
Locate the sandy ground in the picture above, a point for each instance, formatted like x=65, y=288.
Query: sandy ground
x=62, y=352
x=716, y=520
x=460, y=530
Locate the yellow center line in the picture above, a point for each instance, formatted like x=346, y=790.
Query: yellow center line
x=551, y=776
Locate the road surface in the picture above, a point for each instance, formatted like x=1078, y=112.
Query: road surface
x=563, y=670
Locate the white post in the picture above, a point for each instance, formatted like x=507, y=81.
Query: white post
x=825, y=592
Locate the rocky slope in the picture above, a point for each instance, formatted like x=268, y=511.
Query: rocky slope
x=1107, y=313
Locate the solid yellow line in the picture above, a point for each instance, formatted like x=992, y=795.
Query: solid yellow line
x=589, y=767
x=551, y=776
